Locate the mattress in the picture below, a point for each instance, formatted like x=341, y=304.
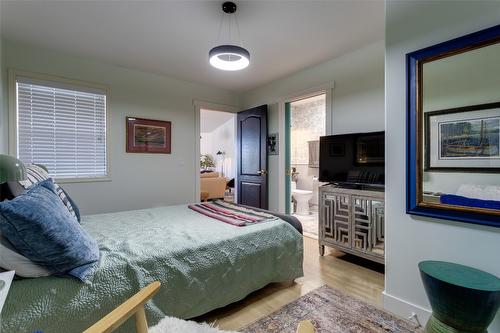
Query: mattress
x=202, y=263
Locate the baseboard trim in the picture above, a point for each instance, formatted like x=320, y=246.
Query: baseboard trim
x=404, y=308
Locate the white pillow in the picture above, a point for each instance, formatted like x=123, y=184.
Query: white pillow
x=13, y=261
x=483, y=192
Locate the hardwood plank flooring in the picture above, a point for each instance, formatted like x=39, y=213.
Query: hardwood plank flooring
x=358, y=277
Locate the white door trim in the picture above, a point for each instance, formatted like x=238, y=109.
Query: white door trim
x=327, y=89
x=198, y=105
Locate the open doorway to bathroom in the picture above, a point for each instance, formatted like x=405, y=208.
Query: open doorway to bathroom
x=307, y=122
x=217, y=155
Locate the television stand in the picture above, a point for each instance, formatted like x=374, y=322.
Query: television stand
x=352, y=220
x=360, y=186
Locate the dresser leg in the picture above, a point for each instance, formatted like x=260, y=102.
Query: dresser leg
x=321, y=250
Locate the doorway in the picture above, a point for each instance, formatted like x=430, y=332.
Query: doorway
x=306, y=121
x=217, y=161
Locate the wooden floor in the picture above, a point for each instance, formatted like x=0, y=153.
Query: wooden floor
x=358, y=277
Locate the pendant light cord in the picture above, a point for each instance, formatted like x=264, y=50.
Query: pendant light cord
x=221, y=23
x=238, y=30
x=229, y=27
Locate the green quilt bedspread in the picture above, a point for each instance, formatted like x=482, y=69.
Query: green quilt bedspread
x=202, y=264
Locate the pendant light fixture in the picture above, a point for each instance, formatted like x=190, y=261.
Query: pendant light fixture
x=229, y=56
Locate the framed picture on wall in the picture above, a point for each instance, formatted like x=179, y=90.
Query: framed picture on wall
x=148, y=136
x=463, y=139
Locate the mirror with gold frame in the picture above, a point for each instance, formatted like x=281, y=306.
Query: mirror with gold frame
x=453, y=129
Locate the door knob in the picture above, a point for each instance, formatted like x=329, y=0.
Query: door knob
x=262, y=172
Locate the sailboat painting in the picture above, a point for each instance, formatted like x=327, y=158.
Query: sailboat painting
x=461, y=139
x=475, y=138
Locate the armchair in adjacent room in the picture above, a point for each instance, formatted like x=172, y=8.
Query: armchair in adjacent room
x=213, y=184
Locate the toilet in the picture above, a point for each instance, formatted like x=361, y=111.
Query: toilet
x=316, y=185
x=302, y=198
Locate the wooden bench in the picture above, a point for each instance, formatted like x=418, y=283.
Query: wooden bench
x=134, y=306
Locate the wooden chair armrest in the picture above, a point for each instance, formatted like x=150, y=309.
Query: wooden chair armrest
x=133, y=306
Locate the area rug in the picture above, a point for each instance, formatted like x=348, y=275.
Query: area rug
x=331, y=311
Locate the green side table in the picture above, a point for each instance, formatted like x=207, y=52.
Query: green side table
x=463, y=299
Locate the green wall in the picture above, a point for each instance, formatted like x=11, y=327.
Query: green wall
x=358, y=97
x=138, y=180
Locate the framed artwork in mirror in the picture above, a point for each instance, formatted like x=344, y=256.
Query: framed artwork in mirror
x=463, y=139
x=453, y=129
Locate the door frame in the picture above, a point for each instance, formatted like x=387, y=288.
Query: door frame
x=327, y=89
x=205, y=105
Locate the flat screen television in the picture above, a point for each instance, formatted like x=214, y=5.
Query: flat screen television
x=353, y=159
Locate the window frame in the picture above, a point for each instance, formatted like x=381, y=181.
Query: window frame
x=13, y=117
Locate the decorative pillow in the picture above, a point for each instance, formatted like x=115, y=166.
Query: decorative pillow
x=36, y=173
x=483, y=192
x=39, y=227
x=12, y=261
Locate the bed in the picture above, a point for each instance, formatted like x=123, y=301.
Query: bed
x=202, y=263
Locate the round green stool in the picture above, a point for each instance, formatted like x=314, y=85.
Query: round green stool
x=463, y=299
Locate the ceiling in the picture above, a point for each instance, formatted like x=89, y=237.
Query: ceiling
x=173, y=37
x=210, y=120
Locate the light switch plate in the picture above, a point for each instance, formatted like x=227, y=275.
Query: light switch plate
x=273, y=144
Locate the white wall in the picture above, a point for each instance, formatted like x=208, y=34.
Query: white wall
x=358, y=97
x=4, y=120
x=206, y=146
x=222, y=138
x=138, y=180
x=273, y=184
x=412, y=25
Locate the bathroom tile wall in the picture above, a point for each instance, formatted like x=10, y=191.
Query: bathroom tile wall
x=308, y=123
x=305, y=177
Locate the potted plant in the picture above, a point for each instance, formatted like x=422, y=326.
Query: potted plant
x=207, y=162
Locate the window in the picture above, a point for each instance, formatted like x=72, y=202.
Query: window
x=62, y=126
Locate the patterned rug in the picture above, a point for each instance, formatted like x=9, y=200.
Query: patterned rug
x=331, y=311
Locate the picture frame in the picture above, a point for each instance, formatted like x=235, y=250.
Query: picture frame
x=465, y=139
x=148, y=136
x=416, y=204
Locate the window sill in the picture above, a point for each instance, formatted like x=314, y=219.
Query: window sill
x=82, y=180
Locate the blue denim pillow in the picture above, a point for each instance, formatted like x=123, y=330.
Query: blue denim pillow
x=40, y=228
x=76, y=210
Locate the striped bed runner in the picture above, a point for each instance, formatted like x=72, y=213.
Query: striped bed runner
x=231, y=213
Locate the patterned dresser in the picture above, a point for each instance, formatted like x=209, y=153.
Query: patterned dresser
x=352, y=221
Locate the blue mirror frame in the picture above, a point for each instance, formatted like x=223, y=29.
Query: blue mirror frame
x=414, y=127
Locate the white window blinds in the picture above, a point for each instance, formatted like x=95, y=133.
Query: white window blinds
x=62, y=127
